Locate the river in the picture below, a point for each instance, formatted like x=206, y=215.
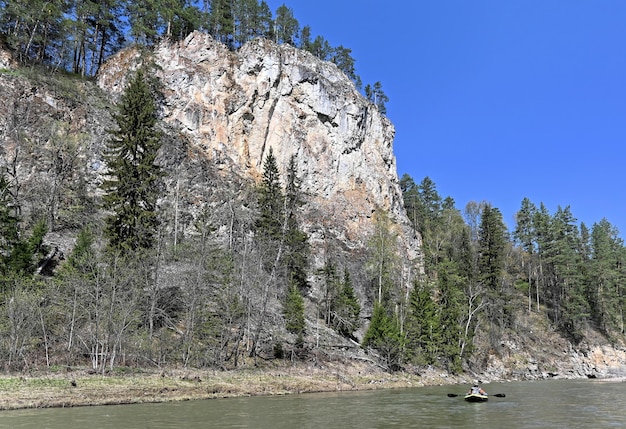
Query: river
x=545, y=404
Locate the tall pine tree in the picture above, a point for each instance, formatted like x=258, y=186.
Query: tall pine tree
x=133, y=185
x=271, y=200
x=297, y=251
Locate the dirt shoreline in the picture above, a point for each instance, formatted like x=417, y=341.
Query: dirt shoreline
x=73, y=388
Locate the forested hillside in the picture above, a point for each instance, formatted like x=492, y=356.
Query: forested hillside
x=572, y=274
x=128, y=239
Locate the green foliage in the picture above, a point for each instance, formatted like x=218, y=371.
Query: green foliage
x=383, y=261
x=34, y=28
x=423, y=335
x=376, y=95
x=342, y=58
x=222, y=23
x=271, y=200
x=279, y=352
x=606, y=277
x=451, y=299
x=81, y=262
x=294, y=312
x=383, y=334
x=296, y=240
x=492, y=240
x=345, y=308
x=20, y=253
x=9, y=227
x=286, y=26
x=133, y=186
x=492, y=243
x=144, y=21
x=78, y=36
x=319, y=47
x=246, y=21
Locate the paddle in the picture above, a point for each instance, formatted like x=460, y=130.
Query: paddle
x=497, y=395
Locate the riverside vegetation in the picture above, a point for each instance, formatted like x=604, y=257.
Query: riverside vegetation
x=241, y=287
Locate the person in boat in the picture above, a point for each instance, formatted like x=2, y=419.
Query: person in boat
x=476, y=390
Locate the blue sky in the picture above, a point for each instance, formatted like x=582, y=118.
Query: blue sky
x=497, y=100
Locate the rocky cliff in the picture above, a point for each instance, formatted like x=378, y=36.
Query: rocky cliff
x=234, y=106
x=222, y=112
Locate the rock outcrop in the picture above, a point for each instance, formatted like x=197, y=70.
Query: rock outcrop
x=235, y=106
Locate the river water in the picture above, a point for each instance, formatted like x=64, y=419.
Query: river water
x=545, y=404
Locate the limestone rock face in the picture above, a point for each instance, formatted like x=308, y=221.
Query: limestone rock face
x=235, y=106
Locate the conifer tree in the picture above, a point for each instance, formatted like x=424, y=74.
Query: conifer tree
x=286, y=27
x=144, y=21
x=222, y=22
x=607, y=277
x=492, y=241
x=320, y=48
x=345, y=308
x=263, y=23
x=342, y=58
x=294, y=312
x=449, y=300
x=525, y=236
x=297, y=251
x=305, y=38
x=376, y=95
x=133, y=185
x=422, y=326
x=383, y=334
x=410, y=195
x=569, y=307
x=331, y=289
x=271, y=200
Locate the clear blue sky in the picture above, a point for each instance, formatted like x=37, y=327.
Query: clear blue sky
x=497, y=100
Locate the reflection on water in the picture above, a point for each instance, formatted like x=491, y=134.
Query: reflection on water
x=546, y=404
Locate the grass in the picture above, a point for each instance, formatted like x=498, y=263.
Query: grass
x=79, y=388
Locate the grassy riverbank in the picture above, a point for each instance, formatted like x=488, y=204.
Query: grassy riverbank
x=63, y=388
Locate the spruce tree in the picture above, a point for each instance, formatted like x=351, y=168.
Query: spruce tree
x=383, y=334
x=133, y=185
x=345, y=308
x=492, y=240
x=492, y=243
x=422, y=326
x=271, y=200
x=297, y=251
x=294, y=312
x=450, y=301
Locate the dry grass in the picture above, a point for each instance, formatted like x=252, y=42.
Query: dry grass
x=79, y=388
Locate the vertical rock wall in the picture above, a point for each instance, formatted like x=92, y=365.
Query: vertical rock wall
x=235, y=106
